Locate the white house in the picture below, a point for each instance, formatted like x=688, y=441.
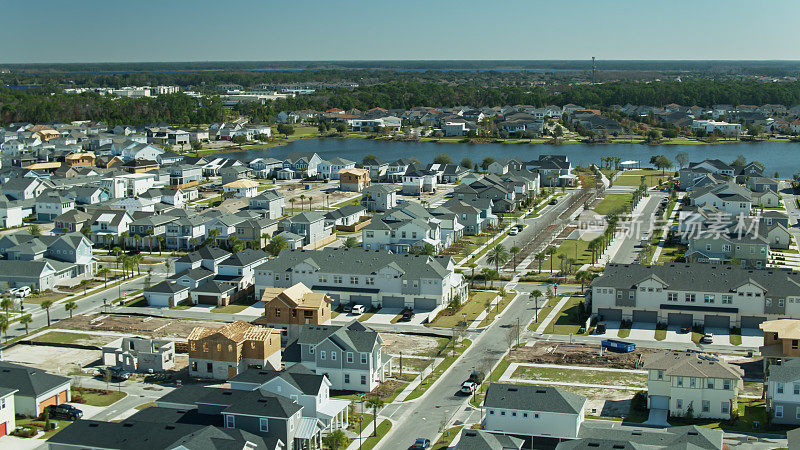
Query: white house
x=242, y=188
x=166, y=294
x=530, y=410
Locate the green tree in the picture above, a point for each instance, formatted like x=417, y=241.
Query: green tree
x=514, y=251
x=466, y=163
x=335, y=439
x=486, y=162
x=739, y=161
x=497, y=255
x=284, y=129
x=551, y=252
x=351, y=242
x=276, y=244
x=4, y=326
x=375, y=403
x=540, y=257
x=70, y=306
x=213, y=234
x=661, y=162
x=442, y=158
x=26, y=320
x=682, y=159
x=6, y=304
x=103, y=272
x=35, y=230
x=45, y=305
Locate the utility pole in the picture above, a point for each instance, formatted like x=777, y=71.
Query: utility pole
x=594, y=70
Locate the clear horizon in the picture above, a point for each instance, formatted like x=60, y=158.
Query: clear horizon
x=95, y=31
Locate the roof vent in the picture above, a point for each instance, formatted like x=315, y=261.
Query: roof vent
x=169, y=427
x=636, y=433
x=262, y=400
x=93, y=425
x=539, y=391
x=227, y=393
x=617, y=446
x=127, y=424
x=593, y=444
x=471, y=433
x=692, y=433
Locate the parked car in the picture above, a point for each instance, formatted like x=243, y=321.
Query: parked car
x=421, y=443
x=357, y=310
x=347, y=308
x=520, y=227
x=707, y=338
x=117, y=373
x=513, y=232
x=468, y=387
x=686, y=329
x=408, y=313
x=553, y=201
x=21, y=292
x=64, y=412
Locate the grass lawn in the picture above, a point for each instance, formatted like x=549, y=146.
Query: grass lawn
x=447, y=438
x=661, y=335
x=609, y=173
x=544, y=309
x=230, y=309
x=97, y=397
x=144, y=406
x=568, y=319
x=671, y=253
x=624, y=331
x=35, y=423
x=415, y=364
x=65, y=337
x=614, y=203
x=181, y=307
x=365, y=316
x=497, y=309
x=622, y=378
x=439, y=370
x=366, y=420
x=577, y=249
x=468, y=311
x=736, y=339
x=372, y=441
x=634, y=177
x=696, y=337
x=38, y=299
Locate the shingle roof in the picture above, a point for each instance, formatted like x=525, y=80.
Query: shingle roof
x=692, y=364
x=167, y=288
x=28, y=381
x=353, y=335
x=297, y=375
x=526, y=397
x=484, y=440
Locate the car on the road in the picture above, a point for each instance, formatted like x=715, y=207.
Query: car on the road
x=421, y=443
x=513, y=232
x=115, y=373
x=468, y=387
x=357, y=310
x=553, y=201
x=64, y=412
x=520, y=227
x=408, y=313
x=707, y=338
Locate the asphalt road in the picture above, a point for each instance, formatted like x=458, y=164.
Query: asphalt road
x=638, y=226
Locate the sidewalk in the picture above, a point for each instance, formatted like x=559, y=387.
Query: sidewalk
x=552, y=315
x=417, y=381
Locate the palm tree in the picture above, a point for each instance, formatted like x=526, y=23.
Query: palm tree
x=160, y=240
x=540, y=257
x=351, y=242
x=551, y=251
x=25, y=320
x=137, y=260
x=194, y=243
x=334, y=439
x=276, y=244
x=149, y=233
x=472, y=266
x=103, y=272
x=70, y=306
x=6, y=304
x=264, y=240
x=292, y=200
x=116, y=251
x=497, y=255
x=136, y=240
x=375, y=403
x=4, y=326
x=124, y=237
x=302, y=198
x=45, y=305
x=213, y=234
x=514, y=251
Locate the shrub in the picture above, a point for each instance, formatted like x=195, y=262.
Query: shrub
x=639, y=401
x=24, y=432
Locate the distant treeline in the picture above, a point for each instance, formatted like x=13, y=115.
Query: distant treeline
x=39, y=105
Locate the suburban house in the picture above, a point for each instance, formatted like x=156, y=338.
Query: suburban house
x=71, y=221
x=714, y=296
x=166, y=294
x=367, y=277
x=692, y=384
x=51, y=205
x=7, y=412
x=331, y=169
x=222, y=353
x=729, y=197
x=555, y=170
x=271, y=201
x=783, y=392
x=299, y=165
x=107, y=225
x=43, y=262
x=347, y=216
x=377, y=168
x=242, y=188
x=186, y=233
x=402, y=229
x=531, y=410
x=136, y=354
x=350, y=355
x=471, y=439
x=35, y=388
x=310, y=225
x=353, y=180
x=379, y=197
x=304, y=387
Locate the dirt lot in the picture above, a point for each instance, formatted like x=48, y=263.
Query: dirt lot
x=578, y=355
x=53, y=359
x=143, y=326
x=411, y=344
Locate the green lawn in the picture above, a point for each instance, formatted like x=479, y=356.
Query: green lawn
x=736, y=338
x=614, y=203
x=372, y=441
x=497, y=309
x=36, y=423
x=544, y=309
x=581, y=376
x=366, y=420
x=577, y=249
x=634, y=177
x=568, y=319
x=472, y=308
x=97, y=397
x=661, y=335
x=624, y=331
x=447, y=438
x=38, y=299
x=230, y=309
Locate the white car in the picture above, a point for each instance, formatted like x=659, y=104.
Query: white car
x=513, y=232
x=468, y=387
x=357, y=310
x=21, y=292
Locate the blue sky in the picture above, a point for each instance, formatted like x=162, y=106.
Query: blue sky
x=268, y=30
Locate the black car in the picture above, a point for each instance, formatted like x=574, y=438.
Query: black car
x=64, y=412
x=407, y=315
x=553, y=201
x=116, y=373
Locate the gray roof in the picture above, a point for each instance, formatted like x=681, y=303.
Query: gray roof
x=245, y=257
x=269, y=194
x=195, y=274
x=351, y=336
x=167, y=288
x=683, y=437
x=23, y=269
x=692, y=364
x=785, y=372
x=28, y=382
x=700, y=277
x=297, y=375
x=527, y=397
x=483, y=440
x=360, y=261
x=214, y=287
x=345, y=211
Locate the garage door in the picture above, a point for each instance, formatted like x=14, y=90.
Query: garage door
x=365, y=300
x=645, y=316
x=424, y=304
x=47, y=402
x=752, y=321
x=393, y=302
x=718, y=322
x=335, y=302
x=610, y=315
x=3, y=429
x=681, y=320
x=62, y=397
x=206, y=300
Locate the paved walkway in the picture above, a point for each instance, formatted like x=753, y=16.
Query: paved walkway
x=552, y=315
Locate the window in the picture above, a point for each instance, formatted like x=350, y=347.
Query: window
x=779, y=388
x=263, y=424
x=193, y=346
x=672, y=296
x=337, y=279
x=513, y=414
x=726, y=384
x=797, y=413
x=692, y=381
x=796, y=388
x=679, y=403
x=277, y=312
x=323, y=278
x=363, y=379
x=619, y=295
x=526, y=414
x=708, y=298
x=491, y=412
x=689, y=297
x=710, y=383
x=363, y=358
x=502, y=413
x=794, y=343
x=209, y=367
x=230, y=421
x=353, y=280
x=680, y=381
x=311, y=350
x=347, y=378
x=780, y=303
x=706, y=406
x=322, y=354
x=349, y=357
x=660, y=375
x=370, y=281
x=779, y=411
x=333, y=355
x=725, y=407
x=727, y=299
x=194, y=366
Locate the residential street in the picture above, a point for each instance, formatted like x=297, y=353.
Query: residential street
x=643, y=223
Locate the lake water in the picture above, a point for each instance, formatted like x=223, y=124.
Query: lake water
x=775, y=156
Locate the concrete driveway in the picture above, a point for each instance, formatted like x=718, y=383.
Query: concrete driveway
x=642, y=331
x=384, y=316
x=752, y=337
x=674, y=335
x=721, y=336
x=612, y=329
